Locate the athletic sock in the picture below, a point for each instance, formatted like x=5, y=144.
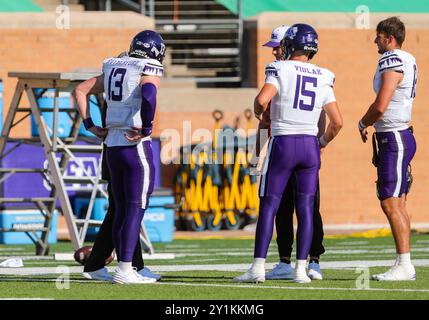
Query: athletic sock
x=314, y=260
x=258, y=264
x=125, y=266
x=285, y=260
x=300, y=264
x=404, y=258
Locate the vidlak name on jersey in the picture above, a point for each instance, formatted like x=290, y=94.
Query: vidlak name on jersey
x=308, y=70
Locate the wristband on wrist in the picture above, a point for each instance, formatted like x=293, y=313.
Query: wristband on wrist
x=258, y=116
x=322, y=141
x=146, y=131
x=88, y=123
x=361, y=125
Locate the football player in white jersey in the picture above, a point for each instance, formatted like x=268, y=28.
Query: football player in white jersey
x=297, y=91
x=395, y=85
x=284, y=216
x=130, y=84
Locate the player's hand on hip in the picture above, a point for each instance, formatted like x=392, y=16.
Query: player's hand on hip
x=98, y=131
x=133, y=135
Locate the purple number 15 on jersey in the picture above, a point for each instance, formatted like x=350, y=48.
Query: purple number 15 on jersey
x=302, y=91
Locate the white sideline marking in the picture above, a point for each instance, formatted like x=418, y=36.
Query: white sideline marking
x=37, y=271
x=27, y=257
x=330, y=248
x=257, y=286
x=155, y=256
x=179, y=246
x=213, y=267
x=26, y=299
x=352, y=243
x=324, y=265
x=246, y=286
x=370, y=226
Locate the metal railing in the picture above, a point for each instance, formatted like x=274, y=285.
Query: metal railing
x=196, y=33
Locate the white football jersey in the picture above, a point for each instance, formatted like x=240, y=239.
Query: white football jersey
x=398, y=113
x=123, y=95
x=302, y=91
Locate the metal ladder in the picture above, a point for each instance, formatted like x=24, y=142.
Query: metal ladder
x=53, y=145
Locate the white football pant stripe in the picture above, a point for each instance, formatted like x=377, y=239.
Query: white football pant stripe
x=399, y=163
x=265, y=168
x=146, y=173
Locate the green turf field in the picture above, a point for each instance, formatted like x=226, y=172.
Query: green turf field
x=203, y=269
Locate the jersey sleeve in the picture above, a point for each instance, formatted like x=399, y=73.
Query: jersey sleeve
x=105, y=63
x=152, y=68
x=272, y=75
x=330, y=78
x=390, y=61
x=329, y=96
x=329, y=87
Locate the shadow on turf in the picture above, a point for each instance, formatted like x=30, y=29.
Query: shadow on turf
x=200, y=279
x=53, y=279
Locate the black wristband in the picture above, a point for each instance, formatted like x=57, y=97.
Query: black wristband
x=88, y=123
x=146, y=131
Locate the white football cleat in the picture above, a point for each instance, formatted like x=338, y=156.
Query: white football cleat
x=280, y=271
x=130, y=277
x=300, y=276
x=145, y=272
x=314, y=272
x=251, y=275
x=100, y=274
x=399, y=272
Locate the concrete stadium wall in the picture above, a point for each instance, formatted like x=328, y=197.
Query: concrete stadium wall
x=347, y=175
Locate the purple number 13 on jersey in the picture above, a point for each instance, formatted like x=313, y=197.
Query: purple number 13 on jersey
x=302, y=90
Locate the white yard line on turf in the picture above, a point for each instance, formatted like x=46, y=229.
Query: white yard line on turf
x=245, y=286
x=258, y=286
x=352, y=243
x=414, y=247
x=211, y=267
x=26, y=299
x=51, y=258
x=245, y=266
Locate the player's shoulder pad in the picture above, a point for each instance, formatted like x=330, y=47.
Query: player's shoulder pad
x=389, y=60
x=152, y=67
x=272, y=69
x=107, y=61
x=329, y=76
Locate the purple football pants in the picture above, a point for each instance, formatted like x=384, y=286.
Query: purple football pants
x=131, y=171
x=396, y=150
x=297, y=155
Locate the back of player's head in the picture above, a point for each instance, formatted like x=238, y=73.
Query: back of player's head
x=300, y=36
x=392, y=27
x=147, y=44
